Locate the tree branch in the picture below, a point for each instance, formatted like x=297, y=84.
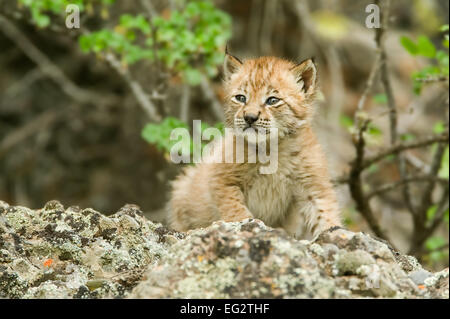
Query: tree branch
x=44, y=63
x=136, y=88
x=404, y=146
x=411, y=179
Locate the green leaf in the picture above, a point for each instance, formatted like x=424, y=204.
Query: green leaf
x=409, y=45
x=445, y=42
x=438, y=128
x=426, y=47
x=444, y=170
x=220, y=126
x=85, y=43
x=431, y=212
x=374, y=131
x=390, y=157
x=159, y=134
x=437, y=256
x=434, y=243
x=42, y=21
x=443, y=60
x=373, y=168
x=346, y=121
x=407, y=137
x=380, y=98
x=193, y=76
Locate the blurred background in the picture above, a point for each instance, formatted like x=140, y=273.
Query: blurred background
x=86, y=113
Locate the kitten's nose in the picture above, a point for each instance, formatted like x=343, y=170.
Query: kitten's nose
x=250, y=118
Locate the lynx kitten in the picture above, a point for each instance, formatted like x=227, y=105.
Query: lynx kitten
x=266, y=92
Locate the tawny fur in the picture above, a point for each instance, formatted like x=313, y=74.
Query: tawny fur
x=299, y=197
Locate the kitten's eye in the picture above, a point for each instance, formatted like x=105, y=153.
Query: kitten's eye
x=241, y=98
x=272, y=100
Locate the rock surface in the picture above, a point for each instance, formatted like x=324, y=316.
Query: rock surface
x=55, y=252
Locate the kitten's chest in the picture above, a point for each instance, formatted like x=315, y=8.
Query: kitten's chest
x=268, y=196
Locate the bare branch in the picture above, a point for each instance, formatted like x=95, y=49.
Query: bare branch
x=269, y=18
x=417, y=163
x=184, y=103
x=385, y=80
x=369, y=83
x=44, y=63
x=421, y=231
x=404, y=146
x=331, y=56
x=355, y=184
x=434, y=169
x=411, y=179
x=208, y=91
x=148, y=6
x=29, y=129
x=357, y=166
x=433, y=79
x=136, y=88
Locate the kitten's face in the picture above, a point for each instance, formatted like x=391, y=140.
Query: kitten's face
x=268, y=92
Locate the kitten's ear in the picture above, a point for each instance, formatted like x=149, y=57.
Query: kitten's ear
x=230, y=65
x=306, y=75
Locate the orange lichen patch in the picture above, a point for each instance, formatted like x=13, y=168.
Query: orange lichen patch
x=269, y=281
x=200, y=258
x=48, y=262
x=421, y=286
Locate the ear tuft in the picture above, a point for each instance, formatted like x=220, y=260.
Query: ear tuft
x=306, y=75
x=231, y=64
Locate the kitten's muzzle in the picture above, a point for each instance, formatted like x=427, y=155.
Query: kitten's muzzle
x=251, y=118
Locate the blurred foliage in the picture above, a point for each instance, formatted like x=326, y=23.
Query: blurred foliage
x=435, y=248
x=380, y=98
x=425, y=48
x=373, y=134
x=426, y=15
x=190, y=42
x=331, y=25
x=121, y=40
x=159, y=134
x=40, y=9
x=193, y=41
x=438, y=128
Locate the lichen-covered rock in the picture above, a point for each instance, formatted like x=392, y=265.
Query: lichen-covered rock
x=249, y=260
x=55, y=252
x=72, y=253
